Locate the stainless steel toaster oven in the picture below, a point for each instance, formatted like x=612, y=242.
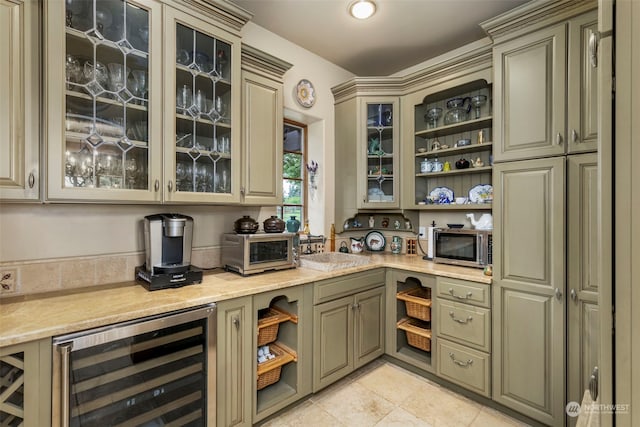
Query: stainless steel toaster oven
x=259, y=252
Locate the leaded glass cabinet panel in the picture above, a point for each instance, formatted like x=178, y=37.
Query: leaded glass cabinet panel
x=202, y=77
x=104, y=100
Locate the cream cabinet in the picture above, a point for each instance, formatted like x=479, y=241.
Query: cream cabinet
x=234, y=352
x=25, y=384
x=583, y=325
x=367, y=149
x=262, y=123
x=348, y=323
x=463, y=325
x=142, y=101
x=20, y=100
x=528, y=289
x=545, y=91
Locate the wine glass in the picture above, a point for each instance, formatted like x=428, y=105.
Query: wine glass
x=140, y=77
x=433, y=114
x=478, y=101
x=184, y=97
x=72, y=70
x=117, y=74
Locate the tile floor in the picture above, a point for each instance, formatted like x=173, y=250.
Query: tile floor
x=383, y=394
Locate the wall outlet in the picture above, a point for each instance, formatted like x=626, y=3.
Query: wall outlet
x=8, y=280
x=422, y=232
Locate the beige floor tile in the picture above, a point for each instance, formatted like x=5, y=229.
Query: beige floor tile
x=355, y=405
x=391, y=382
x=383, y=394
x=440, y=407
x=401, y=418
x=306, y=414
x=491, y=418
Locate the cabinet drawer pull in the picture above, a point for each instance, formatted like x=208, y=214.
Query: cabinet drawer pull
x=156, y=185
x=32, y=180
x=467, y=296
x=462, y=321
x=574, y=136
x=460, y=362
x=170, y=186
x=559, y=138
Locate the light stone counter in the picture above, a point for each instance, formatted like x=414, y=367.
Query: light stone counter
x=24, y=319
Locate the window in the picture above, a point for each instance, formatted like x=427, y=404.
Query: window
x=294, y=172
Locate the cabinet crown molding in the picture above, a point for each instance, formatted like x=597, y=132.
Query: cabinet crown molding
x=534, y=15
x=220, y=11
x=447, y=66
x=258, y=61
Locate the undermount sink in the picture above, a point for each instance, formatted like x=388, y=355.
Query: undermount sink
x=329, y=261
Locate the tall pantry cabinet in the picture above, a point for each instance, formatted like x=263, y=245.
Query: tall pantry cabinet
x=544, y=200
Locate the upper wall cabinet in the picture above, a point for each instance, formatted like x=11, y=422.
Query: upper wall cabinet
x=378, y=153
x=19, y=100
x=367, y=154
x=262, y=127
x=543, y=106
x=142, y=103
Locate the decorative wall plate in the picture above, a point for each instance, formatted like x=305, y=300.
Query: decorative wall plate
x=305, y=93
x=375, y=241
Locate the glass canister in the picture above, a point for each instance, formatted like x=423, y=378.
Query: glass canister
x=396, y=245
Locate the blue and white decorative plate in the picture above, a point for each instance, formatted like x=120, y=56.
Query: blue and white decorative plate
x=441, y=195
x=482, y=193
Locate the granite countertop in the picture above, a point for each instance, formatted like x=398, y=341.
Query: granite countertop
x=24, y=319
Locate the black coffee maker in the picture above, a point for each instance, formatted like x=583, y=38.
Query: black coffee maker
x=167, y=243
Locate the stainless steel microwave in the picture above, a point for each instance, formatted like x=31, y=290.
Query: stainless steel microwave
x=259, y=252
x=469, y=248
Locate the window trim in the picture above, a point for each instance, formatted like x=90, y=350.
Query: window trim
x=305, y=173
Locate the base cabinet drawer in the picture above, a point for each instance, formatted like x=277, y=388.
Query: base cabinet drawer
x=464, y=324
x=464, y=366
x=464, y=291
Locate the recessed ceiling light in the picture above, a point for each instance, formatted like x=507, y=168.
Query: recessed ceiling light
x=362, y=9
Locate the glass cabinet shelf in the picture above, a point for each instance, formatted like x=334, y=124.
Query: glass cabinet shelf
x=465, y=126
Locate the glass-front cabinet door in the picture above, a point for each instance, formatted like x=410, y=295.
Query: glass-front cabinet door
x=202, y=75
x=379, y=160
x=103, y=100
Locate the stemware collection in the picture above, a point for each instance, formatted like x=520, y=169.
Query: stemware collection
x=458, y=110
x=108, y=130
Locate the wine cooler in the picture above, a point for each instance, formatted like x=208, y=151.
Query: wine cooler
x=151, y=372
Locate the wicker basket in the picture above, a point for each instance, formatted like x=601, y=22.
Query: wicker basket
x=269, y=324
x=418, y=302
x=418, y=333
x=269, y=371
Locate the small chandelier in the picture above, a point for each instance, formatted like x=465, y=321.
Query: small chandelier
x=362, y=9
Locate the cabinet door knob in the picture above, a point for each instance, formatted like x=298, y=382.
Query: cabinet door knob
x=573, y=294
x=558, y=293
x=31, y=180
x=170, y=186
x=156, y=185
x=574, y=136
x=559, y=138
